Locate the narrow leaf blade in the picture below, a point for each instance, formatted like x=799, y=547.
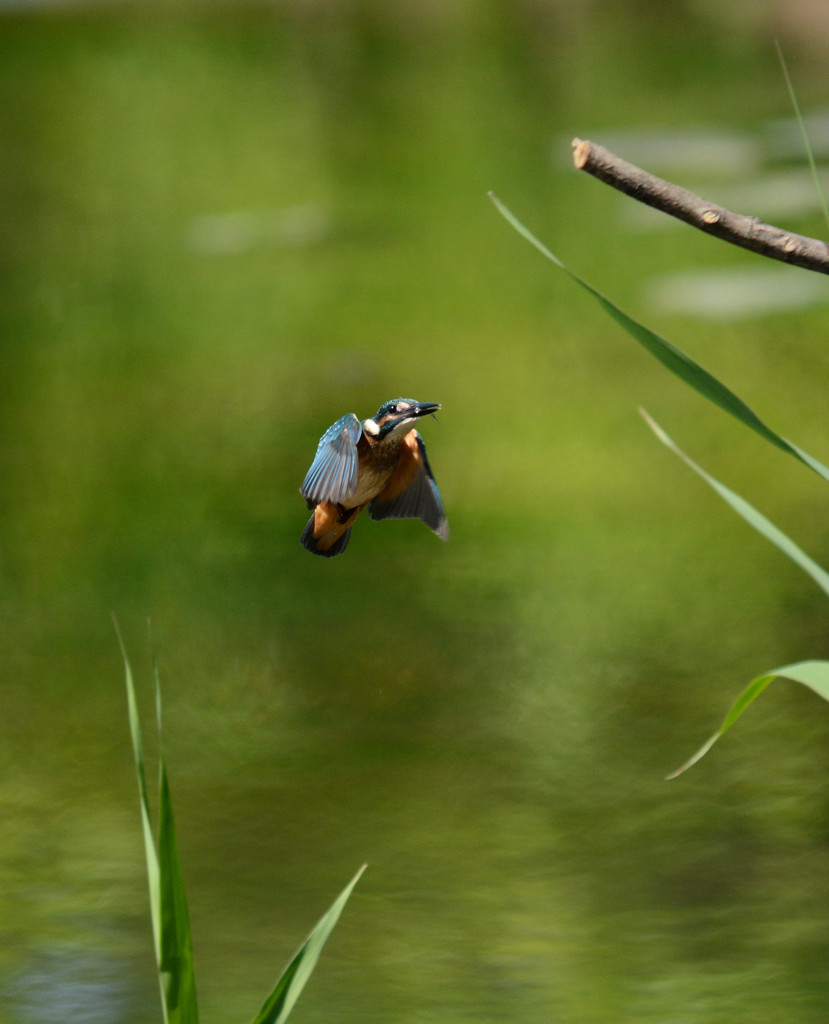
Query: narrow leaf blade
x=168, y=903
x=673, y=358
x=803, y=133
x=814, y=674
x=747, y=511
x=285, y=993
x=178, y=981
x=153, y=875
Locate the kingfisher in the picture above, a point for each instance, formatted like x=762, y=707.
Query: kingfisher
x=381, y=463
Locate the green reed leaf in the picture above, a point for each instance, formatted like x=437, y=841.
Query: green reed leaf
x=153, y=873
x=803, y=133
x=748, y=512
x=814, y=674
x=285, y=993
x=168, y=900
x=673, y=358
x=178, y=981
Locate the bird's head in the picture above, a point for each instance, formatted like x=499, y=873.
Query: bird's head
x=395, y=419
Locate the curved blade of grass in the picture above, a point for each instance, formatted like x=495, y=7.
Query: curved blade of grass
x=175, y=967
x=281, y=1001
x=814, y=674
x=673, y=358
x=153, y=874
x=748, y=512
x=803, y=133
x=168, y=901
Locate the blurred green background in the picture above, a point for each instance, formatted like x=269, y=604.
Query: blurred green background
x=224, y=226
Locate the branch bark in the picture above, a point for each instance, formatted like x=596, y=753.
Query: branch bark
x=736, y=228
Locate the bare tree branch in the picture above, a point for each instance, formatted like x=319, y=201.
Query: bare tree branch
x=748, y=232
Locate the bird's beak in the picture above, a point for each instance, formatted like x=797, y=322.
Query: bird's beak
x=426, y=409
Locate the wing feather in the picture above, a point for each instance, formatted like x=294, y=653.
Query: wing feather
x=412, y=492
x=334, y=471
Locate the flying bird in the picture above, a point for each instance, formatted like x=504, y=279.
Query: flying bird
x=381, y=463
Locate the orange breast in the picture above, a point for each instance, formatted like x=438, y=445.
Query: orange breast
x=377, y=462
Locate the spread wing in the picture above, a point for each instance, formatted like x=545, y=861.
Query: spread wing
x=412, y=492
x=333, y=473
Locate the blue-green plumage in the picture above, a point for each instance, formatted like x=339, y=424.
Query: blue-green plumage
x=381, y=463
x=333, y=473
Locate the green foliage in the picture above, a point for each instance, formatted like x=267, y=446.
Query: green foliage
x=807, y=146
x=168, y=899
x=748, y=512
x=280, y=1002
x=677, y=361
x=814, y=674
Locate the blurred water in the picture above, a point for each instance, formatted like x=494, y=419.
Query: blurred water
x=72, y=986
x=221, y=231
x=733, y=293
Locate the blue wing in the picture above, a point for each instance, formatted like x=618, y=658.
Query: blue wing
x=420, y=500
x=333, y=473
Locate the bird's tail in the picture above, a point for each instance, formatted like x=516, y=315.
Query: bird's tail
x=328, y=544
